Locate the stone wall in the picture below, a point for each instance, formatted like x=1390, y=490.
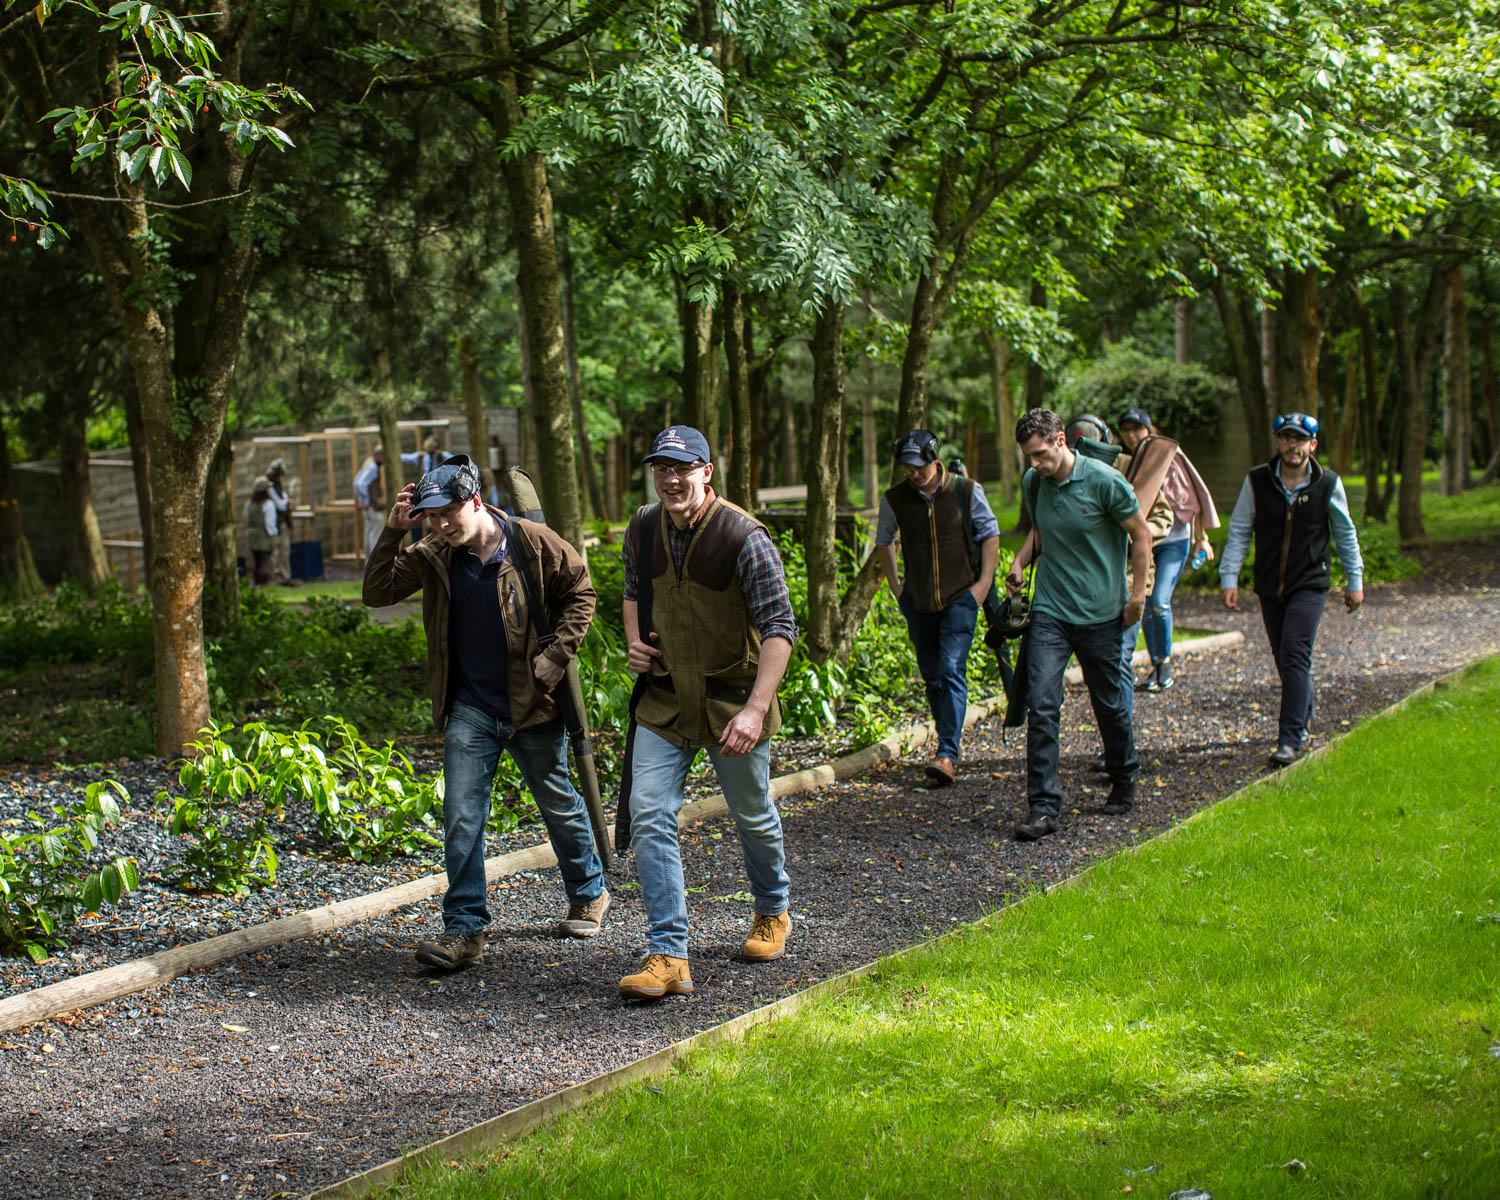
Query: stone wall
x=320, y=466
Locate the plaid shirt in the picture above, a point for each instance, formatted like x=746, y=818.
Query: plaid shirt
x=757, y=570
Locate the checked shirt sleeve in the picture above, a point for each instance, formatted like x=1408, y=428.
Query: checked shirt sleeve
x=761, y=578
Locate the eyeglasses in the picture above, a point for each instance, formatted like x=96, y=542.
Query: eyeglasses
x=678, y=470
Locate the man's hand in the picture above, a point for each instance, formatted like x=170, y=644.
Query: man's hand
x=1132, y=610
x=1014, y=583
x=547, y=671
x=639, y=655
x=1232, y=598
x=979, y=591
x=402, y=517
x=742, y=732
x=1352, y=600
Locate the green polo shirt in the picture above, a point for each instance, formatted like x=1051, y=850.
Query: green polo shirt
x=1080, y=577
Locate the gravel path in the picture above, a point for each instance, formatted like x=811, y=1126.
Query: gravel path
x=288, y=1070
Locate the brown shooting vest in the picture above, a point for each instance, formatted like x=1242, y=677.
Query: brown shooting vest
x=934, y=550
x=710, y=650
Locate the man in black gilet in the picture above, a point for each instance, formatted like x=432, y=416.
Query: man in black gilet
x=1293, y=508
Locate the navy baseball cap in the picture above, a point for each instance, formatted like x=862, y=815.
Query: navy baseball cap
x=1296, y=424
x=1136, y=416
x=454, y=482
x=916, y=449
x=680, y=443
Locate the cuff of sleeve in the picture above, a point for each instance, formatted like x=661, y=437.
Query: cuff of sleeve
x=1229, y=581
x=1356, y=584
x=558, y=653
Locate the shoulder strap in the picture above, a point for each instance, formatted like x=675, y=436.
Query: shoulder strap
x=964, y=487
x=645, y=550
x=532, y=587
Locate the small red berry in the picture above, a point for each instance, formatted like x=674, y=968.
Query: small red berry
x=30, y=228
x=12, y=237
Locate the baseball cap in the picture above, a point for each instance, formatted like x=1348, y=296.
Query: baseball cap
x=454, y=482
x=916, y=449
x=680, y=443
x=1135, y=416
x=1296, y=423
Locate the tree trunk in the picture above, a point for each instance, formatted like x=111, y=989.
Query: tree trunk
x=19, y=579
x=825, y=448
x=86, y=561
x=791, y=473
x=1004, y=407
x=474, y=422
x=140, y=469
x=586, y=465
x=1414, y=434
x=612, y=487
x=1182, y=323
x=1343, y=452
x=1267, y=343
x=1487, y=350
x=1369, y=423
x=739, y=482
x=1242, y=334
x=700, y=376
x=1036, y=390
x=1454, y=474
x=526, y=455
x=1299, y=336
x=221, y=591
x=530, y=199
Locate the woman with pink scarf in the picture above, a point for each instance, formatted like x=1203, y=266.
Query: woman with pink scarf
x=1194, y=513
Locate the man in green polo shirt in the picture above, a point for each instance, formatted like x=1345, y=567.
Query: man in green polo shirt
x=1083, y=514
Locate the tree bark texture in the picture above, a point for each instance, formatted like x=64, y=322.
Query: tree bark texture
x=739, y=482
x=998, y=347
x=474, y=422
x=1243, y=330
x=86, y=562
x=1454, y=474
x=825, y=448
x=586, y=465
x=1299, y=337
x=1371, y=449
x=1182, y=329
x=19, y=578
x=530, y=199
x=221, y=593
x=140, y=468
x=700, y=370
x=1036, y=390
x=1414, y=350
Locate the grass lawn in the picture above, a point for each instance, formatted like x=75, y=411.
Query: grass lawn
x=1307, y=972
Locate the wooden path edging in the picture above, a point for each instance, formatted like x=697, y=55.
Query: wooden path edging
x=139, y=975
x=528, y=1118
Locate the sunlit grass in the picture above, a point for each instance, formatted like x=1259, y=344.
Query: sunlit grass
x=1304, y=974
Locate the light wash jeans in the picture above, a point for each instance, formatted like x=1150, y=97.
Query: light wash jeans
x=659, y=770
x=1171, y=557
x=472, y=741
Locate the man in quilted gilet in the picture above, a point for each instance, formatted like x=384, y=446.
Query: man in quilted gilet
x=714, y=650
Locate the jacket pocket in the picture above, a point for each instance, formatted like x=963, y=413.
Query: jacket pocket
x=726, y=692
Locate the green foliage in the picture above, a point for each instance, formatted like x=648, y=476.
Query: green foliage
x=45, y=879
x=70, y=625
x=367, y=802
x=1182, y=398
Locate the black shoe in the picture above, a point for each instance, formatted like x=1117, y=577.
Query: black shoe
x=1121, y=798
x=1285, y=754
x=451, y=951
x=1035, y=829
x=1099, y=766
x=1148, y=682
x=1164, y=675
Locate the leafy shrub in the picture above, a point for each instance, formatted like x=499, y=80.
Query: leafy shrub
x=218, y=860
x=70, y=625
x=1182, y=398
x=44, y=874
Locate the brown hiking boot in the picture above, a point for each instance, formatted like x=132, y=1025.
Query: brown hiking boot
x=660, y=975
x=585, y=917
x=452, y=950
x=767, y=938
x=940, y=771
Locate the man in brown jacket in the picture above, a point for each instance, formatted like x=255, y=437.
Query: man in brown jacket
x=491, y=686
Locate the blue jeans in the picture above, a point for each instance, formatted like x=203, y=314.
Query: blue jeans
x=1291, y=627
x=472, y=741
x=1170, y=559
x=1097, y=648
x=659, y=771
x=942, y=641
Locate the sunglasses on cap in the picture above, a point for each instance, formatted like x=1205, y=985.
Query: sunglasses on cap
x=1297, y=423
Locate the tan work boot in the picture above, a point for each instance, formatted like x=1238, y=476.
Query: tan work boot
x=660, y=975
x=767, y=938
x=451, y=950
x=940, y=771
x=585, y=917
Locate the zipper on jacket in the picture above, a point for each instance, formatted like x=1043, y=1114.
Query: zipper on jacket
x=1286, y=549
x=937, y=582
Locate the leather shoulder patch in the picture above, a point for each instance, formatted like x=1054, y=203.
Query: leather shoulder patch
x=718, y=548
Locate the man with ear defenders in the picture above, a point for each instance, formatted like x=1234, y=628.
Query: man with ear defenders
x=941, y=519
x=491, y=685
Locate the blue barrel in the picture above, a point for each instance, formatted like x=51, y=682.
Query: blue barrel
x=307, y=560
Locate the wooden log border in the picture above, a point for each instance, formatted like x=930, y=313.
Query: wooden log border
x=139, y=975
x=528, y=1118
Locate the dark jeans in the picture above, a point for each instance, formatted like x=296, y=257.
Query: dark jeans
x=942, y=641
x=1097, y=648
x=1291, y=626
x=472, y=742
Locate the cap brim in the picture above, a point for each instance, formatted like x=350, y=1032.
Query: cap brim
x=433, y=502
x=674, y=455
x=912, y=460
